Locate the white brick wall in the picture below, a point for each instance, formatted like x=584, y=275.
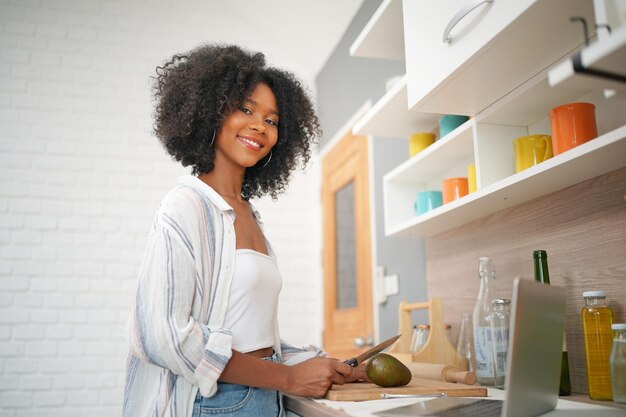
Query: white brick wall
x=80, y=178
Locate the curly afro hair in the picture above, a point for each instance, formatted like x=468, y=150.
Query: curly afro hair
x=195, y=92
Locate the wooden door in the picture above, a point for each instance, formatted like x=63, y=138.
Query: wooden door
x=347, y=248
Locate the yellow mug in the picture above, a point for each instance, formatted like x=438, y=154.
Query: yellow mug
x=420, y=141
x=531, y=150
x=471, y=178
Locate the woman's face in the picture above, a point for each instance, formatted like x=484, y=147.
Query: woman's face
x=249, y=132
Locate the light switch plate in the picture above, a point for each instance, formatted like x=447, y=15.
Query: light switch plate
x=379, y=289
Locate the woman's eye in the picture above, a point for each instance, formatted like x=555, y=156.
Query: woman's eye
x=246, y=110
x=271, y=122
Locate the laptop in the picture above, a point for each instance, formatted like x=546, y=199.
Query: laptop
x=533, y=361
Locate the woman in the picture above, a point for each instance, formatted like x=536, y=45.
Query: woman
x=203, y=333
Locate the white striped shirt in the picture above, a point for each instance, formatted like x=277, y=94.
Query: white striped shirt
x=176, y=336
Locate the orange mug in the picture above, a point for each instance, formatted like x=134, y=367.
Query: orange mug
x=572, y=124
x=454, y=188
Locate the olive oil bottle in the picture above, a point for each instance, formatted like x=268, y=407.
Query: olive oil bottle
x=597, y=319
x=540, y=259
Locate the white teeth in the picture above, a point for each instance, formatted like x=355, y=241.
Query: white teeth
x=250, y=142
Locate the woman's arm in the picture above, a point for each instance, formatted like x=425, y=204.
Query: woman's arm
x=162, y=330
x=311, y=378
x=290, y=352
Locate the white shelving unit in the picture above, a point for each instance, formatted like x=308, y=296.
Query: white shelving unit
x=486, y=141
x=599, y=156
x=383, y=36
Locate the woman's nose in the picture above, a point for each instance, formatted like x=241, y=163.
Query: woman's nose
x=258, y=124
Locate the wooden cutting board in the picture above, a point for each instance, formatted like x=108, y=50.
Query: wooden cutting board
x=361, y=391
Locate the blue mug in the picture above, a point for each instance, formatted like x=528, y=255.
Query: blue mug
x=449, y=122
x=427, y=200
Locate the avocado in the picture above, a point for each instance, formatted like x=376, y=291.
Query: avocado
x=387, y=371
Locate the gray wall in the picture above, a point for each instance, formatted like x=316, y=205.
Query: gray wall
x=404, y=256
x=344, y=84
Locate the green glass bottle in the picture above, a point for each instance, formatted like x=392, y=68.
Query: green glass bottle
x=540, y=258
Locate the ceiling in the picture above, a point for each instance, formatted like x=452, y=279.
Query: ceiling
x=298, y=35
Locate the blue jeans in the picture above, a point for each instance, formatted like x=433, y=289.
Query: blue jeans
x=240, y=400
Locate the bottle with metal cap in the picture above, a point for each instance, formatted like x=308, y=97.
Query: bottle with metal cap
x=597, y=319
x=500, y=337
x=483, y=350
x=617, y=363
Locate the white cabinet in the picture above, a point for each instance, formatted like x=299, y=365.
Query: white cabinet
x=508, y=110
x=383, y=37
x=512, y=40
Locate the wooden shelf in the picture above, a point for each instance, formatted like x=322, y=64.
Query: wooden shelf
x=383, y=36
x=599, y=156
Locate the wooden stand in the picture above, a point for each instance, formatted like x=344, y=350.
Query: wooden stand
x=437, y=348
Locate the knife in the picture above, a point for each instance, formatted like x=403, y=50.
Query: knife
x=354, y=362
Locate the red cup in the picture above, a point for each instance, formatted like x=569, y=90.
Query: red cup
x=572, y=124
x=454, y=188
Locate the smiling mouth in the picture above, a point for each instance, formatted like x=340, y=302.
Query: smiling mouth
x=250, y=142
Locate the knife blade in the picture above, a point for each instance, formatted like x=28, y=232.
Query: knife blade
x=353, y=362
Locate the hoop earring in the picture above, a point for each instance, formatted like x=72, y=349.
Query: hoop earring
x=213, y=139
x=268, y=160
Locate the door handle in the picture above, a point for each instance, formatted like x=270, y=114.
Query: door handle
x=361, y=342
x=459, y=16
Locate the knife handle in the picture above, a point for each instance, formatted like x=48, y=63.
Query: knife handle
x=352, y=362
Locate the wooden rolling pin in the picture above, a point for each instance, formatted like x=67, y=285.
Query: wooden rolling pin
x=441, y=372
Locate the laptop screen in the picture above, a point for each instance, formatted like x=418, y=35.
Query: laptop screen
x=535, y=349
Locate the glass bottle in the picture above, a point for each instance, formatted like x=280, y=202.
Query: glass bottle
x=540, y=259
x=617, y=363
x=465, y=347
x=500, y=337
x=597, y=319
x=483, y=351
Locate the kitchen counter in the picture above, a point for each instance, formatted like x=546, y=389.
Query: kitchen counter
x=576, y=405
x=306, y=407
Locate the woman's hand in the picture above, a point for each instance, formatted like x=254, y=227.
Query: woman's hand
x=358, y=374
x=313, y=377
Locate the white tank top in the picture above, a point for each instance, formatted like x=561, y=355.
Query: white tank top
x=253, y=301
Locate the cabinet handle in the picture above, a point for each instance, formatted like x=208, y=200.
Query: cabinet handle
x=459, y=16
